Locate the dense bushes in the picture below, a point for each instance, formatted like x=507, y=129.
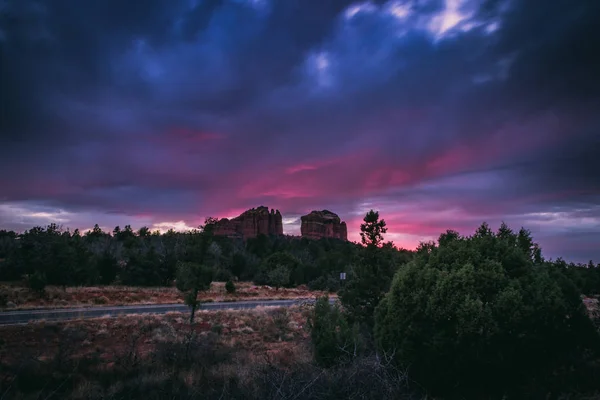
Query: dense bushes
x=482, y=315
x=277, y=269
x=143, y=258
x=334, y=340
x=585, y=276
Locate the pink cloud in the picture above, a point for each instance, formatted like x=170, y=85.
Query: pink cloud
x=356, y=175
x=301, y=167
x=199, y=162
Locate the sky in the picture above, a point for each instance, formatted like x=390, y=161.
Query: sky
x=441, y=114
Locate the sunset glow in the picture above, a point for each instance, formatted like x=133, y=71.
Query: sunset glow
x=441, y=115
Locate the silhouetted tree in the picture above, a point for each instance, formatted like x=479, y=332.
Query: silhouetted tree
x=230, y=287
x=191, y=279
x=372, y=229
x=37, y=281
x=107, y=268
x=370, y=276
x=69, y=258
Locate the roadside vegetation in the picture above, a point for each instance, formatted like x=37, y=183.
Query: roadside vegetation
x=483, y=316
x=223, y=353
x=15, y=295
x=479, y=316
x=44, y=258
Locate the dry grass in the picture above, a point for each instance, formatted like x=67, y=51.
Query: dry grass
x=146, y=350
x=20, y=297
x=260, y=335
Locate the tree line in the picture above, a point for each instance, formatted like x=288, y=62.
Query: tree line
x=53, y=255
x=57, y=256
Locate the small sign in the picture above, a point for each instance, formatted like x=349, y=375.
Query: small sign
x=342, y=276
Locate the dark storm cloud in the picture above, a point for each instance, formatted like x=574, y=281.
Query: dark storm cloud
x=556, y=49
x=173, y=110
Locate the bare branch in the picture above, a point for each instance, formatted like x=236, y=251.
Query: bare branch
x=308, y=385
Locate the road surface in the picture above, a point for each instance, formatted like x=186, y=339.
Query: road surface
x=62, y=314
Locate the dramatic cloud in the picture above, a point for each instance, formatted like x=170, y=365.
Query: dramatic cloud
x=439, y=113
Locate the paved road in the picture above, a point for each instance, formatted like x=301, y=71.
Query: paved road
x=23, y=316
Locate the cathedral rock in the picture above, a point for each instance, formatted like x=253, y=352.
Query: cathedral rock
x=251, y=223
x=323, y=224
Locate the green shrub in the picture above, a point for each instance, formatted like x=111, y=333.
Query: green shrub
x=318, y=284
x=37, y=281
x=230, y=287
x=329, y=283
x=276, y=270
x=100, y=300
x=363, y=291
x=279, y=277
x=222, y=274
x=334, y=340
x=217, y=328
x=483, y=314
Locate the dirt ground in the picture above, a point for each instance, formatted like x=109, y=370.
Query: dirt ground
x=18, y=297
x=262, y=334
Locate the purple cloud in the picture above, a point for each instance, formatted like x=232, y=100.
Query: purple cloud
x=441, y=114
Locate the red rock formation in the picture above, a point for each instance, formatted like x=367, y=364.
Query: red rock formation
x=251, y=223
x=323, y=224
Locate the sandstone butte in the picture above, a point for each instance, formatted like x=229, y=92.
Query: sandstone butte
x=251, y=223
x=256, y=221
x=323, y=224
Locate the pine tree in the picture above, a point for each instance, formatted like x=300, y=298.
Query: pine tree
x=191, y=279
x=370, y=276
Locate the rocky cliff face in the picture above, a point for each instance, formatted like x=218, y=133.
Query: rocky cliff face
x=323, y=224
x=251, y=223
